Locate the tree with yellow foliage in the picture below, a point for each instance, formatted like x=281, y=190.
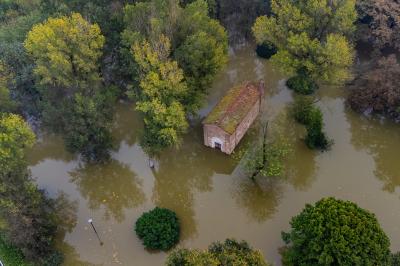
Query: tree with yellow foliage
x=66, y=51
x=160, y=95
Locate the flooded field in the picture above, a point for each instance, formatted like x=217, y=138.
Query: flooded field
x=207, y=189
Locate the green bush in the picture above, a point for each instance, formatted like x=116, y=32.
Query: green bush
x=302, y=84
x=10, y=255
x=266, y=50
x=305, y=112
x=395, y=259
x=159, y=229
x=335, y=232
x=301, y=109
x=316, y=138
x=230, y=252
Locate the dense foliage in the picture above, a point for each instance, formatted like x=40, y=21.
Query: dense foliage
x=266, y=50
x=311, y=37
x=302, y=84
x=29, y=219
x=266, y=157
x=377, y=90
x=382, y=20
x=176, y=54
x=305, y=112
x=230, y=252
x=159, y=229
x=335, y=232
x=66, y=52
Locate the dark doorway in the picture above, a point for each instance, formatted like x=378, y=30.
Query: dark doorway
x=218, y=146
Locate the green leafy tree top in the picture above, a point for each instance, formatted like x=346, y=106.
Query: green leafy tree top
x=66, y=51
x=229, y=252
x=311, y=36
x=15, y=136
x=335, y=232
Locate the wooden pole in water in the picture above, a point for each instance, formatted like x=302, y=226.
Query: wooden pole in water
x=95, y=231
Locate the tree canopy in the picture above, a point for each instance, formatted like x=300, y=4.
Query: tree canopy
x=335, y=232
x=376, y=90
x=162, y=91
x=66, y=51
x=311, y=37
x=15, y=136
x=229, y=252
x=382, y=18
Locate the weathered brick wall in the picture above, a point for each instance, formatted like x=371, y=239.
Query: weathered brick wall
x=213, y=131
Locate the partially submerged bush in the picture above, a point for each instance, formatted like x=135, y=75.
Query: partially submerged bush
x=316, y=138
x=159, y=229
x=266, y=50
x=302, y=84
x=230, y=252
x=305, y=112
x=301, y=109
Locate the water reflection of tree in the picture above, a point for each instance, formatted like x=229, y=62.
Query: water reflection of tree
x=259, y=198
x=181, y=173
x=127, y=124
x=301, y=167
x=382, y=142
x=50, y=147
x=113, y=186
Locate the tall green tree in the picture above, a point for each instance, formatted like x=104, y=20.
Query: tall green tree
x=66, y=51
x=29, y=220
x=312, y=37
x=198, y=43
x=335, y=232
x=160, y=95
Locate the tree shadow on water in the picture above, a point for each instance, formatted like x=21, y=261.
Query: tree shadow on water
x=380, y=139
x=259, y=198
x=112, y=186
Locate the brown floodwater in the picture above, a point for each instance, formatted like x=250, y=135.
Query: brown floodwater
x=208, y=190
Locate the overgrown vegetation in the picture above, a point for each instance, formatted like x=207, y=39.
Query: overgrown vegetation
x=266, y=157
x=377, y=90
x=305, y=112
x=335, y=232
x=159, y=229
x=302, y=84
x=29, y=218
x=230, y=252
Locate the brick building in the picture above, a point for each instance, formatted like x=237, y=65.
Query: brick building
x=230, y=119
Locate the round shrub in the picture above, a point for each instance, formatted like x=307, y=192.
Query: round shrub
x=159, y=229
x=335, y=232
x=302, y=84
x=266, y=50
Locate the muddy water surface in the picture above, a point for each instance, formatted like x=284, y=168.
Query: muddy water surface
x=208, y=190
